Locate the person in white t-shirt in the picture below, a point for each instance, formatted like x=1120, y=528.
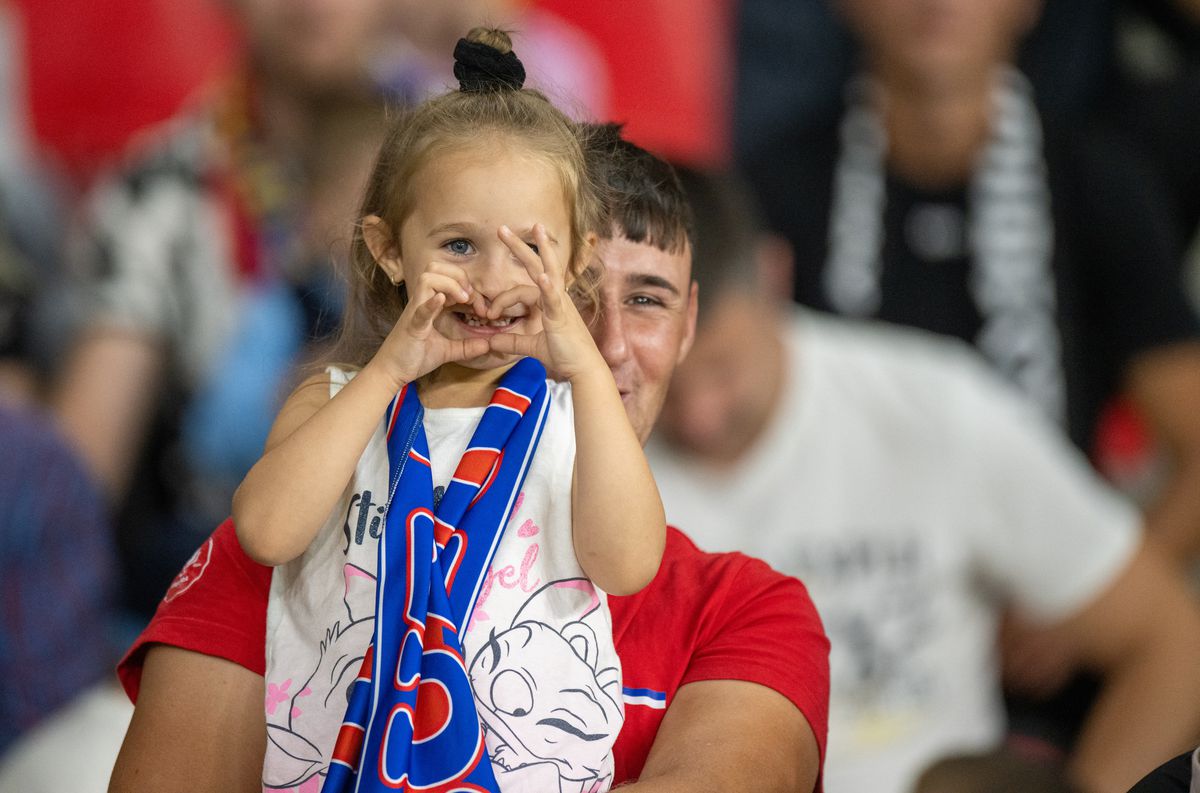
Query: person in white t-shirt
x=917, y=496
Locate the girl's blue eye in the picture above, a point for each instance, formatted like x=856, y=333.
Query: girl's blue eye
x=533, y=247
x=458, y=247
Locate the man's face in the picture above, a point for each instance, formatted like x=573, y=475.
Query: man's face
x=940, y=40
x=645, y=323
x=723, y=396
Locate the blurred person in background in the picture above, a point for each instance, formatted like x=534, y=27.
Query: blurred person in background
x=795, y=56
x=940, y=200
x=208, y=264
x=31, y=220
x=918, y=497
x=20, y=288
x=57, y=575
x=57, y=564
x=58, y=567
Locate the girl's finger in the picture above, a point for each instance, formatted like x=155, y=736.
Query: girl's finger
x=465, y=349
x=516, y=301
x=517, y=344
x=549, y=257
x=552, y=299
x=430, y=284
x=524, y=254
x=451, y=271
x=425, y=313
x=550, y=283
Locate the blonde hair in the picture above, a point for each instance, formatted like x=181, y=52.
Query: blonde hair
x=459, y=120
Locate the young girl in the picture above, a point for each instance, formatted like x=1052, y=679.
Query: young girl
x=478, y=198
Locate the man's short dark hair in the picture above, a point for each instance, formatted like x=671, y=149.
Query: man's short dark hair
x=643, y=198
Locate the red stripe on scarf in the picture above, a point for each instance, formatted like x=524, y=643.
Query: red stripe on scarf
x=476, y=465
x=510, y=399
x=348, y=748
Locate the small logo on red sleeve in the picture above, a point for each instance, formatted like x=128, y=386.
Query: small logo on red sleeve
x=191, y=571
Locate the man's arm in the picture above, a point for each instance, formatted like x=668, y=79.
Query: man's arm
x=1165, y=386
x=1142, y=634
x=198, y=727
x=730, y=735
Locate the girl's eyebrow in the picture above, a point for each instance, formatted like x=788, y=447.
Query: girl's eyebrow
x=457, y=227
x=463, y=227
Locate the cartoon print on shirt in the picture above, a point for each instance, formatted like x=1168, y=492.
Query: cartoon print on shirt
x=294, y=761
x=550, y=714
x=885, y=679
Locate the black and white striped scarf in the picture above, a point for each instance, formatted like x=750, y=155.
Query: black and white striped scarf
x=1010, y=235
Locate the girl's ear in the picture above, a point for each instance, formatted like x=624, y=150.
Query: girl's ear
x=383, y=247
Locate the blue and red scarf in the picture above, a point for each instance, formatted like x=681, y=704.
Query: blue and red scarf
x=411, y=722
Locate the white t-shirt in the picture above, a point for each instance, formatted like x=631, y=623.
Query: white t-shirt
x=913, y=493
x=553, y=683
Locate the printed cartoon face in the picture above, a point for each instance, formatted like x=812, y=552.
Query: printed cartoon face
x=539, y=692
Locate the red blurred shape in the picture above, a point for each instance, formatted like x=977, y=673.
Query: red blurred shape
x=671, y=64
x=100, y=70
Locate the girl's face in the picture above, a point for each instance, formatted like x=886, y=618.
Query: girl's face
x=460, y=200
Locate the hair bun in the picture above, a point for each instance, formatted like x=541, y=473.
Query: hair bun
x=481, y=66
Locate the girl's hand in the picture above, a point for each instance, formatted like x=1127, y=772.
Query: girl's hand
x=415, y=347
x=565, y=346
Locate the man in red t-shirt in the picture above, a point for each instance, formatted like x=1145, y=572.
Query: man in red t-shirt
x=725, y=663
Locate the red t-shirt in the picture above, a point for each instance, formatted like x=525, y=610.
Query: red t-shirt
x=703, y=617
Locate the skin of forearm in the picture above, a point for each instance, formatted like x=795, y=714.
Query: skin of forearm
x=619, y=523
x=730, y=735
x=704, y=777
x=684, y=783
x=1147, y=711
x=288, y=494
x=104, y=416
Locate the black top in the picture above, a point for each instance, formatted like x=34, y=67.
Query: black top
x=1117, y=262
x=1173, y=776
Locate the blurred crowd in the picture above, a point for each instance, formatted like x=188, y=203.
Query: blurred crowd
x=177, y=188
